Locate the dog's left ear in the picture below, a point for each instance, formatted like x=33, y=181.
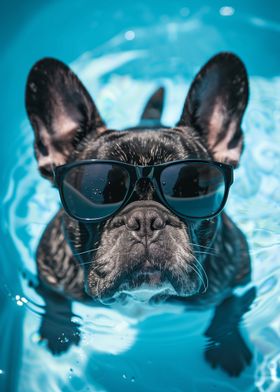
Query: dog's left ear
x=215, y=105
x=61, y=112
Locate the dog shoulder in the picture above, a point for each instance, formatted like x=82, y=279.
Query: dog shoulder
x=237, y=250
x=57, y=267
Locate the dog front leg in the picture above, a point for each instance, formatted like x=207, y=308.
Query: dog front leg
x=57, y=329
x=226, y=347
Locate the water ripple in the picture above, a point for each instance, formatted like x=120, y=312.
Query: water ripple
x=127, y=350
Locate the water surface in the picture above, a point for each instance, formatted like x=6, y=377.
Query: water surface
x=122, y=55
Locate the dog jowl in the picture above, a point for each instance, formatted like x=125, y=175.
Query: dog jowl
x=142, y=206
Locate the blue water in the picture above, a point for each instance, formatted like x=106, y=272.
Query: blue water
x=122, y=53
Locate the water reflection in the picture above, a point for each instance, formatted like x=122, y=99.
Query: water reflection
x=158, y=348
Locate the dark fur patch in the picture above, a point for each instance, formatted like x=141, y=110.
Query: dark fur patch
x=68, y=128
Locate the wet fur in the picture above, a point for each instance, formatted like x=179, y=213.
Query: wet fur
x=205, y=259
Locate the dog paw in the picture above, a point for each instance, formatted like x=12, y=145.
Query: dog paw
x=229, y=352
x=59, y=338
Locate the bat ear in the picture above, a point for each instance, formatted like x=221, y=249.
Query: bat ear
x=152, y=112
x=61, y=113
x=215, y=106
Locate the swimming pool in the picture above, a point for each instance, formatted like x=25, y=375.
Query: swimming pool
x=122, y=53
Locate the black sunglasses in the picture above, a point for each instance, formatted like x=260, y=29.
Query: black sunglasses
x=93, y=190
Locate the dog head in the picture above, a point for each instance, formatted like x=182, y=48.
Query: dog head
x=144, y=243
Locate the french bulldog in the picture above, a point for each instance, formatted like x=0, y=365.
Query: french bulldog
x=143, y=242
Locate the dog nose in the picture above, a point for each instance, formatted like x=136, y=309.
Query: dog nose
x=145, y=222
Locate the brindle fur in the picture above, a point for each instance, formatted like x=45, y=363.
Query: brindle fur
x=88, y=261
x=227, y=265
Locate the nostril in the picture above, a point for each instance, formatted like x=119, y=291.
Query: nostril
x=157, y=223
x=133, y=223
x=145, y=222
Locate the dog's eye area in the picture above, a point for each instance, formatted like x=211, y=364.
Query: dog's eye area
x=95, y=190
x=193, y=189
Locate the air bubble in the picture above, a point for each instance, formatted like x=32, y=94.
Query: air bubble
x=129, y=35
x=227, y=11
x=63, y=338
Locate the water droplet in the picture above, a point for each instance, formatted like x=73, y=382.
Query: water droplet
x=163, y=183
x=129, y=35
x=71, y=370
x=227, y=11
x=1, y=371
x=19, y=303
x=75, y=319
x=35, y=337
x=33, y=87
x=124, y=376
x=24, y=300
x=17, y=297
x=132, y=379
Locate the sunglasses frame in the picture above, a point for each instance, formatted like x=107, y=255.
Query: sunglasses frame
x=152, y=172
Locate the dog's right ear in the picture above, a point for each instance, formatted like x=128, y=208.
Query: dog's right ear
x=61, y=112
x=215, y=106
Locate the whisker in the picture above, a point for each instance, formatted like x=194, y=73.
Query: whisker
x=199, y=275
x=95, y=261
x=201, y=246
x=206, y=253
x=204, y=272
x=87, y=251
x=86, y=262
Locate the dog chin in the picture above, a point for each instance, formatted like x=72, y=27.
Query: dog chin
x=143, y=287
x=146, y=287
x=145, y=293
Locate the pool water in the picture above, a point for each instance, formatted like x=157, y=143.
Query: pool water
x=122, y=54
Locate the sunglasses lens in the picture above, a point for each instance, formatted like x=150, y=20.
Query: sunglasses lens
x=194, y=189
x=94, y=190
